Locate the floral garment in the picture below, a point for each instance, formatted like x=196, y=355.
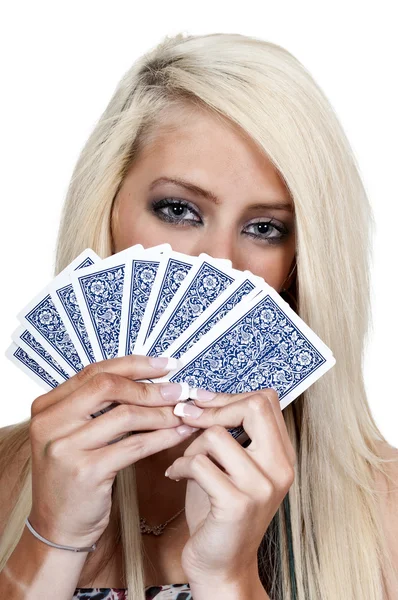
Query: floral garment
x=173, y=591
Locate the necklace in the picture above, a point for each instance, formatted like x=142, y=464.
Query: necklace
x=156, y=529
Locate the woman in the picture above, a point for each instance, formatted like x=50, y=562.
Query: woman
x=307, y=511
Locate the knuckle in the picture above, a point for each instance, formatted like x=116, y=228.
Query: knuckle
x=267, y=489
x=136, y=445
x=86, y=470
x=36, y=405
x=88, y=372
x=123, y=412
x=286, y=478
x=56, y=449
x=214, y=432
x=36, y=427
x=271, y=394
x=198, y=462
x=259, y=403
x=144, y=392
x=217, y=412
x=166, y=415
x=104, y=382
x=77, y=471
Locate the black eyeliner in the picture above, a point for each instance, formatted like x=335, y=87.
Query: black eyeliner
x=165, y=202
x=156, y=205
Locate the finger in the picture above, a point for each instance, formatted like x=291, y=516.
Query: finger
x=219, y=445
x=223, y=494
x=122, y=420
x=257, y=417
x=205, y=399
x=133, y=448
x=102, y=391
x=276, y=405
x=132, y=367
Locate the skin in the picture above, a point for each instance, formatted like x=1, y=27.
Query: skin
x=217, y=156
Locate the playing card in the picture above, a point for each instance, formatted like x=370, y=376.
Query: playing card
x=203, y=284
x=244, y=288
x=41, y=318
x=99, y=291
x=139, y=278
x=173, y=269
x=261, y=344
x=26, y=340
x=30, y=366
x=64, y=299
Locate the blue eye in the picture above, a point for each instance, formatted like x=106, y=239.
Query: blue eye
x=270, y=231
x=177, y=211
x=182, y=213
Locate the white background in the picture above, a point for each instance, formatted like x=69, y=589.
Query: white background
x=60, y=63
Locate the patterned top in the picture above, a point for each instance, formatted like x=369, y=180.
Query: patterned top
x=173, y=591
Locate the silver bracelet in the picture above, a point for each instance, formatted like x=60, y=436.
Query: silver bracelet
x=88, y=549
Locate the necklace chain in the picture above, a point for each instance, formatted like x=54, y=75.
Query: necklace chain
x=156, y=529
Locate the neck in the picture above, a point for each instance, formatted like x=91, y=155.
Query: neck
x=159, y=497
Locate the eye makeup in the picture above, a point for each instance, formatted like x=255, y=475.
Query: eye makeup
x=182, y=213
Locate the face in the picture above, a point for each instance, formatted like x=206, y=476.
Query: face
x=203, y=186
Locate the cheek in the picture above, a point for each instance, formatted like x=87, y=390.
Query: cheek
x=272, y=264
x=133, y=227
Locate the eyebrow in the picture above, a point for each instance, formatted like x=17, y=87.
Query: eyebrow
x=195, y=189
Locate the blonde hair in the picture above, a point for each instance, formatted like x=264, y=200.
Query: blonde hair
x=337, y=536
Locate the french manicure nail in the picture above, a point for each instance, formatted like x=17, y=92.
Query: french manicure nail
x=164, y=362
x=183, y=409
x=185, y=429
x=200, y=394
x=175, y=391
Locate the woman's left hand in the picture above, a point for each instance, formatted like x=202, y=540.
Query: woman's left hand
x=233, y=492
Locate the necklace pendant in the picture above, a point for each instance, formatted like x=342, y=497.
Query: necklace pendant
x=145, y=528
x=156, y=529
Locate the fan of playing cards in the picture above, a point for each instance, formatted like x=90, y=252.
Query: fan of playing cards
x=230, y=330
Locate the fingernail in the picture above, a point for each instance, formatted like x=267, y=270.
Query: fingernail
x=175, y=391
x=164, y=362
x=185, y=429
x=183, y=409
x=200, y=394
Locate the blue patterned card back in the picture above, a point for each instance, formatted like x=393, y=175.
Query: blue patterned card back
x=103, y=292
x=142, y=277
x=175, y=273
x=245, y=288
x=205, y=287
x=37, y=348
x=67, y=297
x=45, y=319
x=261, y=349
x=29, y=363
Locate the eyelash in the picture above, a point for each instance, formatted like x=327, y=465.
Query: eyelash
x=157, y=205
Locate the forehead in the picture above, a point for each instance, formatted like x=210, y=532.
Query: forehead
x=198, y=144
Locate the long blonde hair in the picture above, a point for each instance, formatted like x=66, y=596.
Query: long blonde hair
x=337, y=538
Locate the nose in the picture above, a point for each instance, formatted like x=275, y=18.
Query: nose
x=218, y=244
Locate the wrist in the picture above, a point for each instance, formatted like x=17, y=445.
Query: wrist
x=41, y=529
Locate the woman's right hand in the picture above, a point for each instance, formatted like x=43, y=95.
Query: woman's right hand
x=73, y=465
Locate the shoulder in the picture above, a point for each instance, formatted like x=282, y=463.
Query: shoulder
x=13, y=456
x=388, y=500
